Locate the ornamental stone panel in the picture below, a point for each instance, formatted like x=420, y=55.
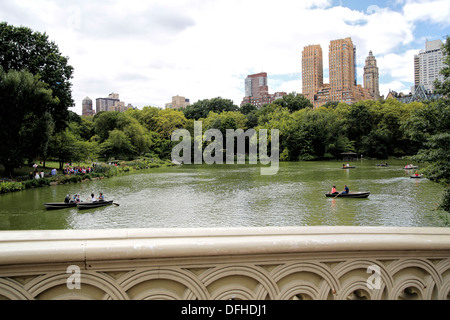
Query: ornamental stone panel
x=299, y=263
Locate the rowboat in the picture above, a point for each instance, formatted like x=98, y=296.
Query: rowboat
x=348, y=195
x=416, y=177
x=59, y=205
x=94, y=204
x=349, y=167
x=410, y=167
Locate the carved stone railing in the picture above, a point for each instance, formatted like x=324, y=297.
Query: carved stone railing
x=237, y=263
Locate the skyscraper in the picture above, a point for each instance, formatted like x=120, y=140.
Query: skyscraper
x=257, y=91
x=428, y=65
x=256, y=85
x=342, y=74
x=371, y=76
x=87, y=109
x=312, y=70
x=342, y=68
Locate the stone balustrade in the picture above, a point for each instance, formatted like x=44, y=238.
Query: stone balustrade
x=229, y=263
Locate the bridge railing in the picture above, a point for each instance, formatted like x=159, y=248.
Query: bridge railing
x=228, y=263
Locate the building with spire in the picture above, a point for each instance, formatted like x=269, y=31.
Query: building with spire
x=372, y=76
x=87, y=107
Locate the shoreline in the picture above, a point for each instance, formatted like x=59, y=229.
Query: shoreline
x=100, y=172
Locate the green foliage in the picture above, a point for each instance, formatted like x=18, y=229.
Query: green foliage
x=36, y=183
x=6, y=187
x=25, y=122
x=118, y=146
x=23, y=49
x=445, y=205
x=293, y=102
x=202, y=108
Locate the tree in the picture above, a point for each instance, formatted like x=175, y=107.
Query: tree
x=169, y=120
x=25, y=123
x=248, y=108
x=104, y=122
x=118, y=146
x=23, y=49
x=294, y=102
x=437, y=145
x=202, y=108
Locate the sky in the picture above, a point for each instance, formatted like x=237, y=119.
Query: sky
x=149, y=51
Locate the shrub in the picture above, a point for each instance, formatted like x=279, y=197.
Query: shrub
x=6, y=187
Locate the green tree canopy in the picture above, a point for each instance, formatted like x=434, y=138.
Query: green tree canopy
x=25, y=122
x=294, y=102
x=202, y=108
x=24, y=49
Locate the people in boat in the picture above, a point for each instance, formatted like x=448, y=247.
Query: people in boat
x=416, y=173
x=67, y=199
x=101, y=197
x=346, y=190
x=93, y=198
x=333, y=190
x=76, y=198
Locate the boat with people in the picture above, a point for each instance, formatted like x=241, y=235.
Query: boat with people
x=363, y=194
x=76, y=202
x=59, y=205
x=410, y=166
x=94, y=204
x=419, y=176
x=347, y=166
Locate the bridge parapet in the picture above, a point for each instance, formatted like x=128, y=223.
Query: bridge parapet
x=277, y=263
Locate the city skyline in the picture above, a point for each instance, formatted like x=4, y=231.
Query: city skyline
x=151, y=51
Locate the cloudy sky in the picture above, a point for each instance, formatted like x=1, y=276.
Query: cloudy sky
x=149, y=51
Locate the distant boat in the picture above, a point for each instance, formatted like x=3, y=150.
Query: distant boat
x=417, y=177
x=94, y=204
x=59, y=205
x=348, y=167
x=382, y=165
x=410, y=167
x=364, y=194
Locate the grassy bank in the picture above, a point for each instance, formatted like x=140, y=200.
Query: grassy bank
x=102, y=170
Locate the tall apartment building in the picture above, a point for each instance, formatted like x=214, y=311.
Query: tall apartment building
x=87, y=107
x=372, y=76
x=111, y=103
x=342, y=68
x=257, y=91
x=312, y=71
x=178, y=102
x=256, y=85
x=428, y=65
x=342, y=74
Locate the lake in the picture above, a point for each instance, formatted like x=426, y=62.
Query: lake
x=192, y=196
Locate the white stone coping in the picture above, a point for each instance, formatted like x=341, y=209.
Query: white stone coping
x=62, y=246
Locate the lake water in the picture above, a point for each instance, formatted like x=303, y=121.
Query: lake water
x=235, y=196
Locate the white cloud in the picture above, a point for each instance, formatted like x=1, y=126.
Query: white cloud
x=436, y=11
x=398, y=66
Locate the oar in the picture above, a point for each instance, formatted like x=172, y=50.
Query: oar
x=337, y=195
x=116, y=204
